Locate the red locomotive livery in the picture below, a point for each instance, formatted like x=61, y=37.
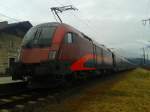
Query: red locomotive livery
x=57, y=50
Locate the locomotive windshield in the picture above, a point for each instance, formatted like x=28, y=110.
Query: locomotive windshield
x=38, y=37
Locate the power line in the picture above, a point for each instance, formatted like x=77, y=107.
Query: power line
x=143, y=55
x=147, y=7
x=79, y=19
x=58, y=2
x=17, y=20
x=86, y=23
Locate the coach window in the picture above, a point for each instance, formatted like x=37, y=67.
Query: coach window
x=69, y=38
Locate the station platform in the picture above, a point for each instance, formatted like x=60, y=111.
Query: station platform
x=7, y=80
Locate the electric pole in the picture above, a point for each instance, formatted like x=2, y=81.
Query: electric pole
x=143, y=55
x=145, y=21
x=147, y=57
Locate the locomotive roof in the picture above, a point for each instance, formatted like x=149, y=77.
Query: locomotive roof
x=48, y=24
x=66, y=25
x=56, y=24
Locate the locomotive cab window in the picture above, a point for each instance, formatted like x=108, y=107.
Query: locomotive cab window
x=69, y=38
x=45, y=36
x=38, y=37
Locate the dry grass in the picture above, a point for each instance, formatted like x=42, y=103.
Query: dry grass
x=127, y=93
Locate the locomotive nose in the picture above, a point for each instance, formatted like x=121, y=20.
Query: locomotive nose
x=37, y=44
x=34, y=55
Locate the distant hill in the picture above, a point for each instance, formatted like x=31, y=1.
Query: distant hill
x=139, y=61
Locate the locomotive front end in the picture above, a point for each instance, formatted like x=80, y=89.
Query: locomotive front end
x=38, y=55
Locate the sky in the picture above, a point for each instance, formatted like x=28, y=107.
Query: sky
x=114, y=23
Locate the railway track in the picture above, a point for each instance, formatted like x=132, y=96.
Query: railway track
x=28, y=98
x=21, y=100
x=15, y=96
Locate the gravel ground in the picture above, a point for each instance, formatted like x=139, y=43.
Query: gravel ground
x=127, y=92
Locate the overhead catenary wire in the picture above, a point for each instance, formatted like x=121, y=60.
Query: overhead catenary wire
x=86, y=24
x=6, y=16
x=147, y=9
x=79, y=19
x=11, y=18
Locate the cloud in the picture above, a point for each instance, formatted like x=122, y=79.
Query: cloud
x=110, y=22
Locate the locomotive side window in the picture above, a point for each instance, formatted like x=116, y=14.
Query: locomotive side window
x=69, y=38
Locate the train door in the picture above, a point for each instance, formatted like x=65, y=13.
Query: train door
x=114, y=60
x=68, y=51
x=99, y=57
x=95, y=54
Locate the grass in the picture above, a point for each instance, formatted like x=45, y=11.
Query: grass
x=129, y=92
x=8, y=48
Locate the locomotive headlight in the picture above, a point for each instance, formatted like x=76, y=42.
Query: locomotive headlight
x=52, y=55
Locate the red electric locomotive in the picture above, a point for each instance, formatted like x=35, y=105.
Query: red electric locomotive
x=57, y=51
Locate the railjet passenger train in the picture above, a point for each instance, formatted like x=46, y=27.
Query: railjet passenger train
x=52, y=51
